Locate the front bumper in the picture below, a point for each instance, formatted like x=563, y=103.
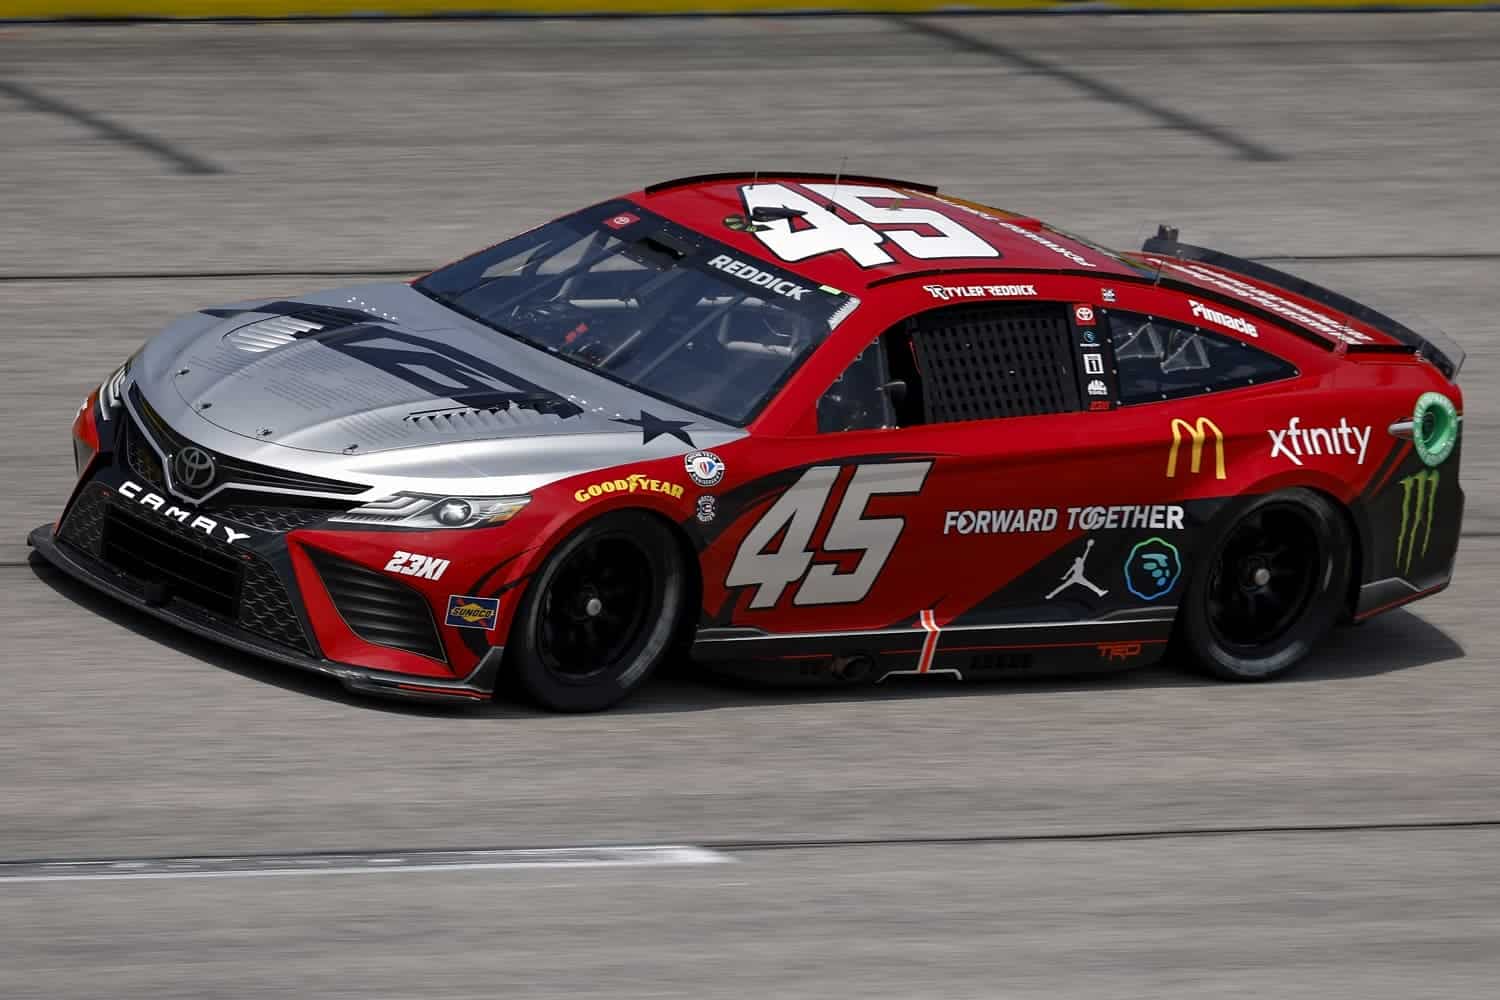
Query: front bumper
x=477, y=686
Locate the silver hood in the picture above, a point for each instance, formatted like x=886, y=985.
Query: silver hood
x=379, y=384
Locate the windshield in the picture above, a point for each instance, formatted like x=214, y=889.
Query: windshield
x=649, y=303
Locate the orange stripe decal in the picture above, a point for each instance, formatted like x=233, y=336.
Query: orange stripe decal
x=929, y=625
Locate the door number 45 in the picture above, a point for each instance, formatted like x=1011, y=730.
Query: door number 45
x=795, y=516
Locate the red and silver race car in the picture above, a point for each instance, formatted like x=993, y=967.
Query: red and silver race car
x=813, y=428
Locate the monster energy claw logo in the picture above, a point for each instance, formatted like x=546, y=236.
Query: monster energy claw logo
x=1418, y=500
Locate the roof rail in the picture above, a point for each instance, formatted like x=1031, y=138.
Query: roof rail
x=812, y=175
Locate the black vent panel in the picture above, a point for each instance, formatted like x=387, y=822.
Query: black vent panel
x=982, y=362
x=378, y=609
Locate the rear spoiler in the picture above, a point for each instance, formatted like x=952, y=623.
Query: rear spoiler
x=1443, y=353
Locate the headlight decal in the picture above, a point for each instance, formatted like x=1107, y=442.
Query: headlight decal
x=417, y=510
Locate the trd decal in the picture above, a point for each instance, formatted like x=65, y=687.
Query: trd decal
x=1119, y=651
x=789, y=525
x=810, y=229
x=1197, y=432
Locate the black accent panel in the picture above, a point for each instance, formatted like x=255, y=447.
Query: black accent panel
x=985, y=361
x=328, y=317
x=233, y=470
x=379, y=609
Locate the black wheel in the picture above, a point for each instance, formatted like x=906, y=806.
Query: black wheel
x=600, y=615
x=1273, y=586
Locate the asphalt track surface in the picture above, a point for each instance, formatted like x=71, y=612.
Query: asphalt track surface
x=1154, y=835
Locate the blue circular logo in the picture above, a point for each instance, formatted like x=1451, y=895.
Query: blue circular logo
x=1152, y=568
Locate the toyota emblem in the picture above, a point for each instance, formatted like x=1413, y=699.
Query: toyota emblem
x=193, y=468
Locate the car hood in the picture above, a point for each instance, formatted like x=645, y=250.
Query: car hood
x=388, y=380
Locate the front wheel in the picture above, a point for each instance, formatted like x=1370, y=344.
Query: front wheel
x=1273, y=587
x=600, y=615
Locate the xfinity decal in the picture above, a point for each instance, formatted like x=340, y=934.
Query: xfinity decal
x=132, y=490
x=1297, y=443
x=768, y=280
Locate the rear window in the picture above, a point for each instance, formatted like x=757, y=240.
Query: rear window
x=1159, y=359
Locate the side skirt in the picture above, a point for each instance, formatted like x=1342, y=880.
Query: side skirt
x=963, y=652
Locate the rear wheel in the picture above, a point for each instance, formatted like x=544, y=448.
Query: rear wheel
x=600, y=615
x=1273, y=587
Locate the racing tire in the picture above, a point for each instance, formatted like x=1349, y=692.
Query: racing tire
x=601, y=614
x=1274, y=585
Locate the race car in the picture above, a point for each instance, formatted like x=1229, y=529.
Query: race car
x=810, y=428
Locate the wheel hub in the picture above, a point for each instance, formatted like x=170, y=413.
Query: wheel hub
x=1264, y=576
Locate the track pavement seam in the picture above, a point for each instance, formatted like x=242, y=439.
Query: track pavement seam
x=623, y=854
x=1098, y=89
x=185, y=162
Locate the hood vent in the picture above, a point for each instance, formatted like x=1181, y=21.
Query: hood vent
x=471, y=419
x=286, y=326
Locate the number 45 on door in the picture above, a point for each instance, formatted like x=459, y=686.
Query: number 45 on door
x=795, y=516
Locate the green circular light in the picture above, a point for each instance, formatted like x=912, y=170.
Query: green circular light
x=1434, y=427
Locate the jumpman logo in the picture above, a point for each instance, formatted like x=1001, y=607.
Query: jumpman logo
x=1075, y=575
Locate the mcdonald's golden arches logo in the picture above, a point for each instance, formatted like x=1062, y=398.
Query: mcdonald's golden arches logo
x=1198, y=433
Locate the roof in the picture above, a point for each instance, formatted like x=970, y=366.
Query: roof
x=853, y=231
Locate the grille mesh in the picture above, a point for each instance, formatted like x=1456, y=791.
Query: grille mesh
x=193, y=567
x=981, y=362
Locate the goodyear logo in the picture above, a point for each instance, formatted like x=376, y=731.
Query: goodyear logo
x=473, y=612
x=1197, y=433
x=633, y=483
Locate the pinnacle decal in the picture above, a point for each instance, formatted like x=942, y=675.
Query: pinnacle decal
x=1418, y=501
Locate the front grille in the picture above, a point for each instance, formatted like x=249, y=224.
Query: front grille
x=167, y=561
x=379, y=609
x=143, y=460
x=981, y=362
x=83, y=528
x=277, y=520
x=266, y=609
x=230, y=470
x=189, y=572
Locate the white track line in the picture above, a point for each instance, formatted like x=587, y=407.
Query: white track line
x=635, y=856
